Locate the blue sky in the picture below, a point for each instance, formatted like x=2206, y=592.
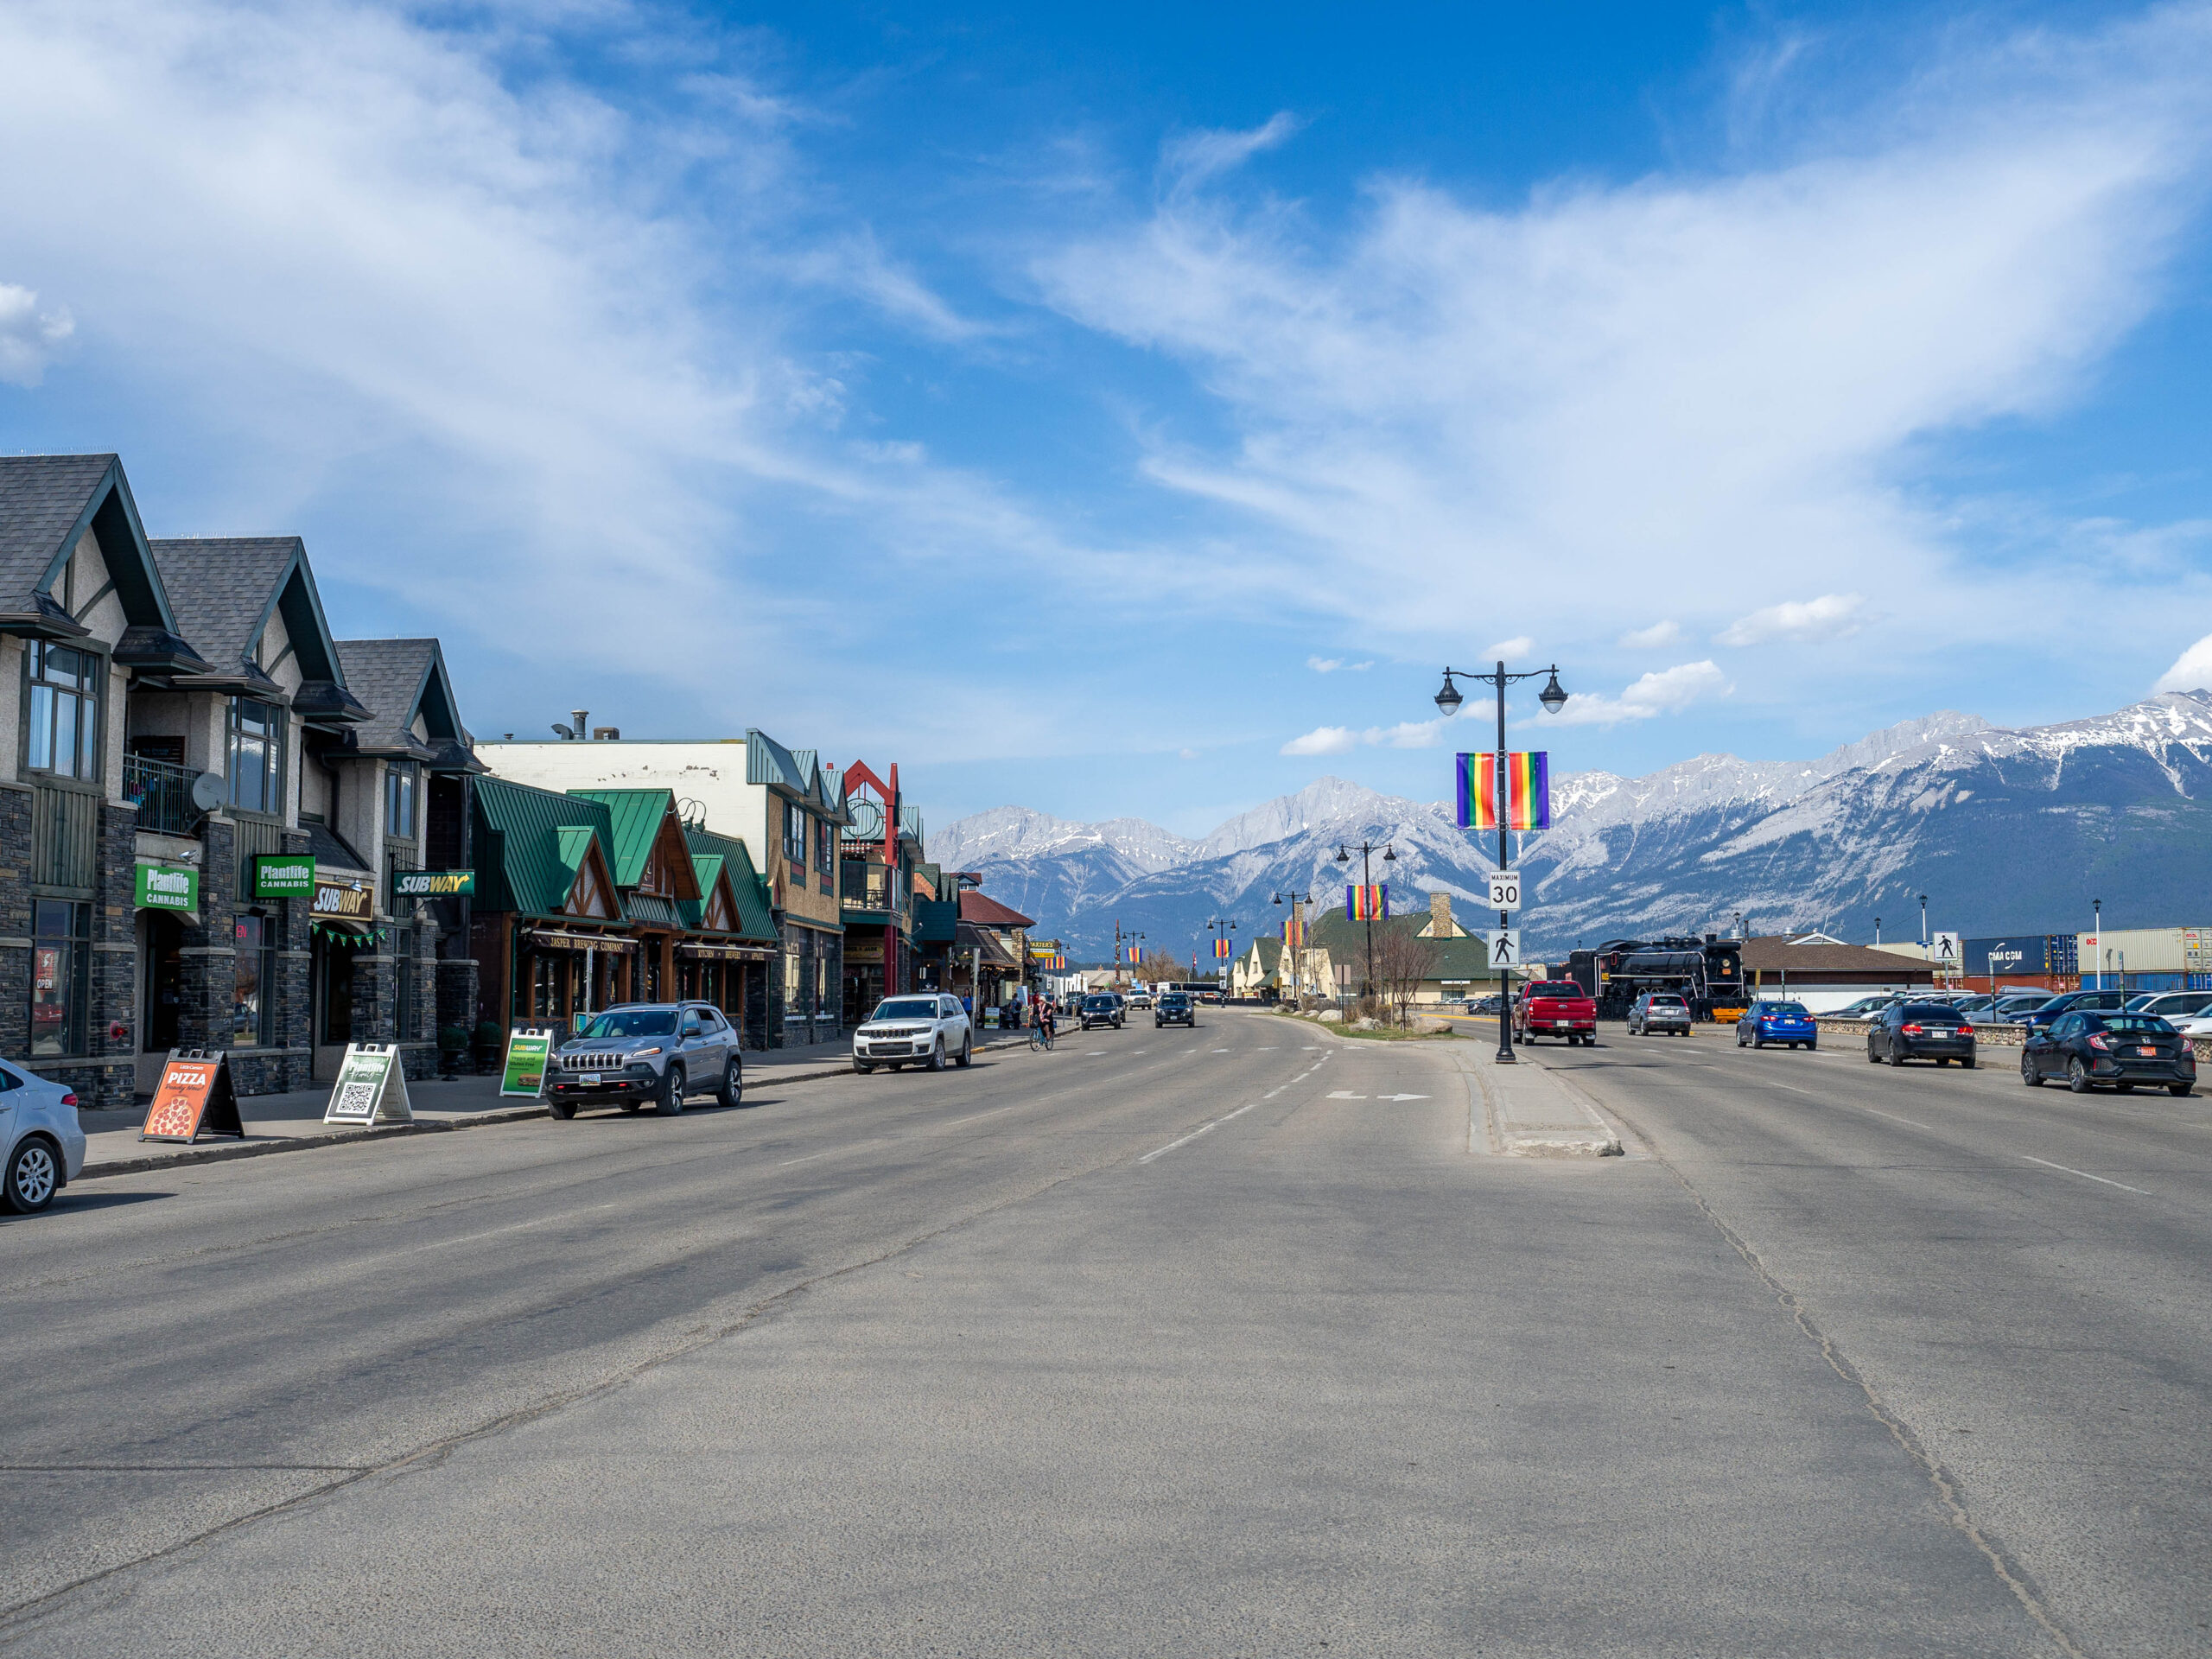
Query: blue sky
x=1128, y=411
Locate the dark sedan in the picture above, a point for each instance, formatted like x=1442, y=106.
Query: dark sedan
x=2072, y=1002
x=2088, y=1048
x=1920, y=1031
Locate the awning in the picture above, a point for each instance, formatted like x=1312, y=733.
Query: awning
x=556, y=939
x=339, y=927
x=700, y=950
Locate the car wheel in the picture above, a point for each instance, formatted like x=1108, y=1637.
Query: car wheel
x=1759, y=1040
x=967, y=1052
x=732, y=1093
x=2179, y=1091
x=672, y=1083
x=2029, y=1074
x=563, y=1109
x=937, y=1056
x=1967, y=1062
x=1812, y=1047
x=2077, y=1076
x=1872, y=1059
x=1896, y=1052
x=34, y=1176
x=863, y=1070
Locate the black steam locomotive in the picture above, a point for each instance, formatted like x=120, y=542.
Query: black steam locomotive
x=1707, y=972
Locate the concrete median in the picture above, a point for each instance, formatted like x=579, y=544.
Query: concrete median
x=1528, y=1110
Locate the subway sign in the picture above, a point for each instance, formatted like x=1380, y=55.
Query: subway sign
x=283, y=875
x=431, y=884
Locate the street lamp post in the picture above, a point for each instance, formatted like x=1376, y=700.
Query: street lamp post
x=1298, y=963
x=1553, y=699
x=2096, y=932
x=1367, y=877
x=1923, y=921
x=1226, y=928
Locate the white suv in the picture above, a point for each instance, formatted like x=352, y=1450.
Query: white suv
x=925, y=1028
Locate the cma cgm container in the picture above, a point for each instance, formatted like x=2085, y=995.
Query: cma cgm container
x=2021, y=958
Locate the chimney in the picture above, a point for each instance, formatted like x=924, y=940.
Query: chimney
x=1440, y=924
x=580, y=721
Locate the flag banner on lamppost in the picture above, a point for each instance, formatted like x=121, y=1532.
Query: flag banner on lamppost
x=1221, y=947
x=1368, y=904
x=1294, y=933
x=1527, y=788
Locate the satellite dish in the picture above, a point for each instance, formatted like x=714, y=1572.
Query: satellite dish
x=207, y=791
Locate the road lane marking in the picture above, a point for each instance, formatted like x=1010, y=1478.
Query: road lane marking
x=2084, y=1174
x=1273, y=1092
x=1196, y=1133
x=1266, y=1048
x=1221, y=1051
x=1402, y=1097
x=972, y=1116
x=809, y=1158
x=1090, y=1053
x=1346, y=1094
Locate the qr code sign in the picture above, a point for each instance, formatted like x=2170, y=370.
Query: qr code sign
x=355, y=1100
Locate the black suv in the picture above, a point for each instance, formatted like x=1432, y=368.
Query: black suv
x=1174, y=1008
x=1104, y=1009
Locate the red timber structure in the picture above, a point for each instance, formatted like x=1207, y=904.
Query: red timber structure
x=881, y=854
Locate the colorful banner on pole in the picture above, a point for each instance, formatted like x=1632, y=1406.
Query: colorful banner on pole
x=1528, y=791
x=1294, y=933
x=1368, y=904
x=1221, y=947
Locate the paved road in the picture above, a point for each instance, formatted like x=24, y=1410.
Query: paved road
x=1224, y=1342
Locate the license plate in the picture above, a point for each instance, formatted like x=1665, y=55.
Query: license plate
x=590, y=1079
x=2146, y=1053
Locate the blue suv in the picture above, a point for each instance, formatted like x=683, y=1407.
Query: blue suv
x=1777, y=1022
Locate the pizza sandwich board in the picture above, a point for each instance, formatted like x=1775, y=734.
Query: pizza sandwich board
x=195, y=1096
x=528, y=1054
x=372, y=1087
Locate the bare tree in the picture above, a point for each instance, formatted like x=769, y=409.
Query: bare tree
x=1159, y=965
x=1403, y=960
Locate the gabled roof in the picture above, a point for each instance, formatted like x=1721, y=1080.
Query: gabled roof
x=797, y=773
x=397, y=680
x=643, y=818
x=1771, y=953
x=985, y=911
x=970, y=936
x=725, y=857
x=47, y=504
x=225, y=588
x=530, y=842
x=1466, y=956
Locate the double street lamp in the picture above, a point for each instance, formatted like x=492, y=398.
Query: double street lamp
x=1225, y=928
x=1448, y=700
x=1297, y=915
x=1367, y=878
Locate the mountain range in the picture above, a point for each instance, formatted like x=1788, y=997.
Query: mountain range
x=2004, y=829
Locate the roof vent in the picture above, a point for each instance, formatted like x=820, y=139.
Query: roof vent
x=580, y=721
x=607, y=734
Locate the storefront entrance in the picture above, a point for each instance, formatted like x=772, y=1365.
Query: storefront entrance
x=863, y=990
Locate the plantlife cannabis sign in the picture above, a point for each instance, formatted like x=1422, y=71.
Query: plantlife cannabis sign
x=283, y=875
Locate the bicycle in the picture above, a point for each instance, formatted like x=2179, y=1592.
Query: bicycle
x=1040, y=1036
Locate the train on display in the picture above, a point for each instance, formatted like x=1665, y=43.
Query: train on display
x=1707, y=972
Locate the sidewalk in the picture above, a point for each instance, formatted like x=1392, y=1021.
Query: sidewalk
x=1529, y=1111
x=293, y=1121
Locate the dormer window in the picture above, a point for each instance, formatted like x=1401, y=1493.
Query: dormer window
x=257, y=756
x=64, y=712
x=399, y=799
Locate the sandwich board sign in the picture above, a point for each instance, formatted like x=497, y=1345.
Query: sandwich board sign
x=1505, y=947
x=195, y=1096
x=527, y=1054
x=372, y=1087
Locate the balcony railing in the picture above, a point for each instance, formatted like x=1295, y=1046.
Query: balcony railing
x=866, y=886
x=163, y=794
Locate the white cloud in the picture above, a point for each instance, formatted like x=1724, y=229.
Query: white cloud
x=2192, y=670
x=1832, y=616
x=1186, y=754
x=1669, y=691
x=29, y=336
x=1509, y=650
x=1653, y=637
x=1625, y=388
x=1323, y=740
x=1331, y=665
x=1191, y=158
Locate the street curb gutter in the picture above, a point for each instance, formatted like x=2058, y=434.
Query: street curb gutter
x=216, y=1155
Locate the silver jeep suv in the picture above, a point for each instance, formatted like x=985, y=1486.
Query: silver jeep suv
x=637, y=1051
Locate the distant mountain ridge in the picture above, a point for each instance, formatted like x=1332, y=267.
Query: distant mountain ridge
x=2005, y=830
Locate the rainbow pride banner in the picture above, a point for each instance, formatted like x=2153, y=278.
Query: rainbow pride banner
x=1294, y=933
x=1527, y=784
x=1366, y=904
x=1221, y=947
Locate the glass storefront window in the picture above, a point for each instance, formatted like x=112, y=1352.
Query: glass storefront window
x=64, y=712
x=253, y=1002
x=61, y=963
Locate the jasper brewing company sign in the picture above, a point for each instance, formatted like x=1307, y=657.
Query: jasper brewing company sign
x=338, y=901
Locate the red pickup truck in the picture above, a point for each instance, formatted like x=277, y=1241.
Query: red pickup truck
x=1555, y=1007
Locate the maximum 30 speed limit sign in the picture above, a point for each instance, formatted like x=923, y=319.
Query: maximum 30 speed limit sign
x=1505, y=889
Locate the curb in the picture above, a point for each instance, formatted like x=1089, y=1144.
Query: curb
x=224, y=1153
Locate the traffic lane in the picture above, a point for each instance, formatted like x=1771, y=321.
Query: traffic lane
x=296, y=1318
x=2045, y=1336
x=1315, y=1376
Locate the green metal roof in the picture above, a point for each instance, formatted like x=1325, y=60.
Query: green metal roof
x=729, y=856
x=638, y=815
x=1464, y=958
x=530, y=843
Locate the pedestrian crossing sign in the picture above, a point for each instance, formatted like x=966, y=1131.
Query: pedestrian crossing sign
x=1504, y=947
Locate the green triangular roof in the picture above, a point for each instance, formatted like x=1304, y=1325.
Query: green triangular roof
x=637, y=816
x=728, y=855
x=530, y=843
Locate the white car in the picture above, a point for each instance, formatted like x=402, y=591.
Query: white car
x=43, y=1141
x=2191, y=1025
x=926, y=1028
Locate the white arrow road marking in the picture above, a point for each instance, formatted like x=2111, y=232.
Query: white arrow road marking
x=1402, y=1097
x=1196, y=1133
x=1341, y=1094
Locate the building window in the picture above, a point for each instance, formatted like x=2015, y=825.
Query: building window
x=399, y=799
x=794, y=980
x=64, y=711
x=403, y=970
x=257, y=756
x=795, y=839
x=253, y=1002
x=61, y=964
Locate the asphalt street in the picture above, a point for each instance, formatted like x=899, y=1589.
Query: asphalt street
x=1225, y=1342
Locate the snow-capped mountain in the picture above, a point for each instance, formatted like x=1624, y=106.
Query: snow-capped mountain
x=2005, y=831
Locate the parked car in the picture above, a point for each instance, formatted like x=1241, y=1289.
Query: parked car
x=1211, y=999
x=2014, y=1009
x=1865, y=1008
x=1555, y=1007
x=42, y=1142
x=2068, y=1001
x=2089, y=1047
x=1921, y=1031
x=1102, y=1008
x=1493, y=1004
x=1139, y=997
x=2170, y=1006
x=636, y=1052
x=1777, y=1022
x=1659, y=1010
x=1175, y=1008
x=926, y=1028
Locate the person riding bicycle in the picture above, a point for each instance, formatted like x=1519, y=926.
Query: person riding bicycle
x=1045, y=1016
